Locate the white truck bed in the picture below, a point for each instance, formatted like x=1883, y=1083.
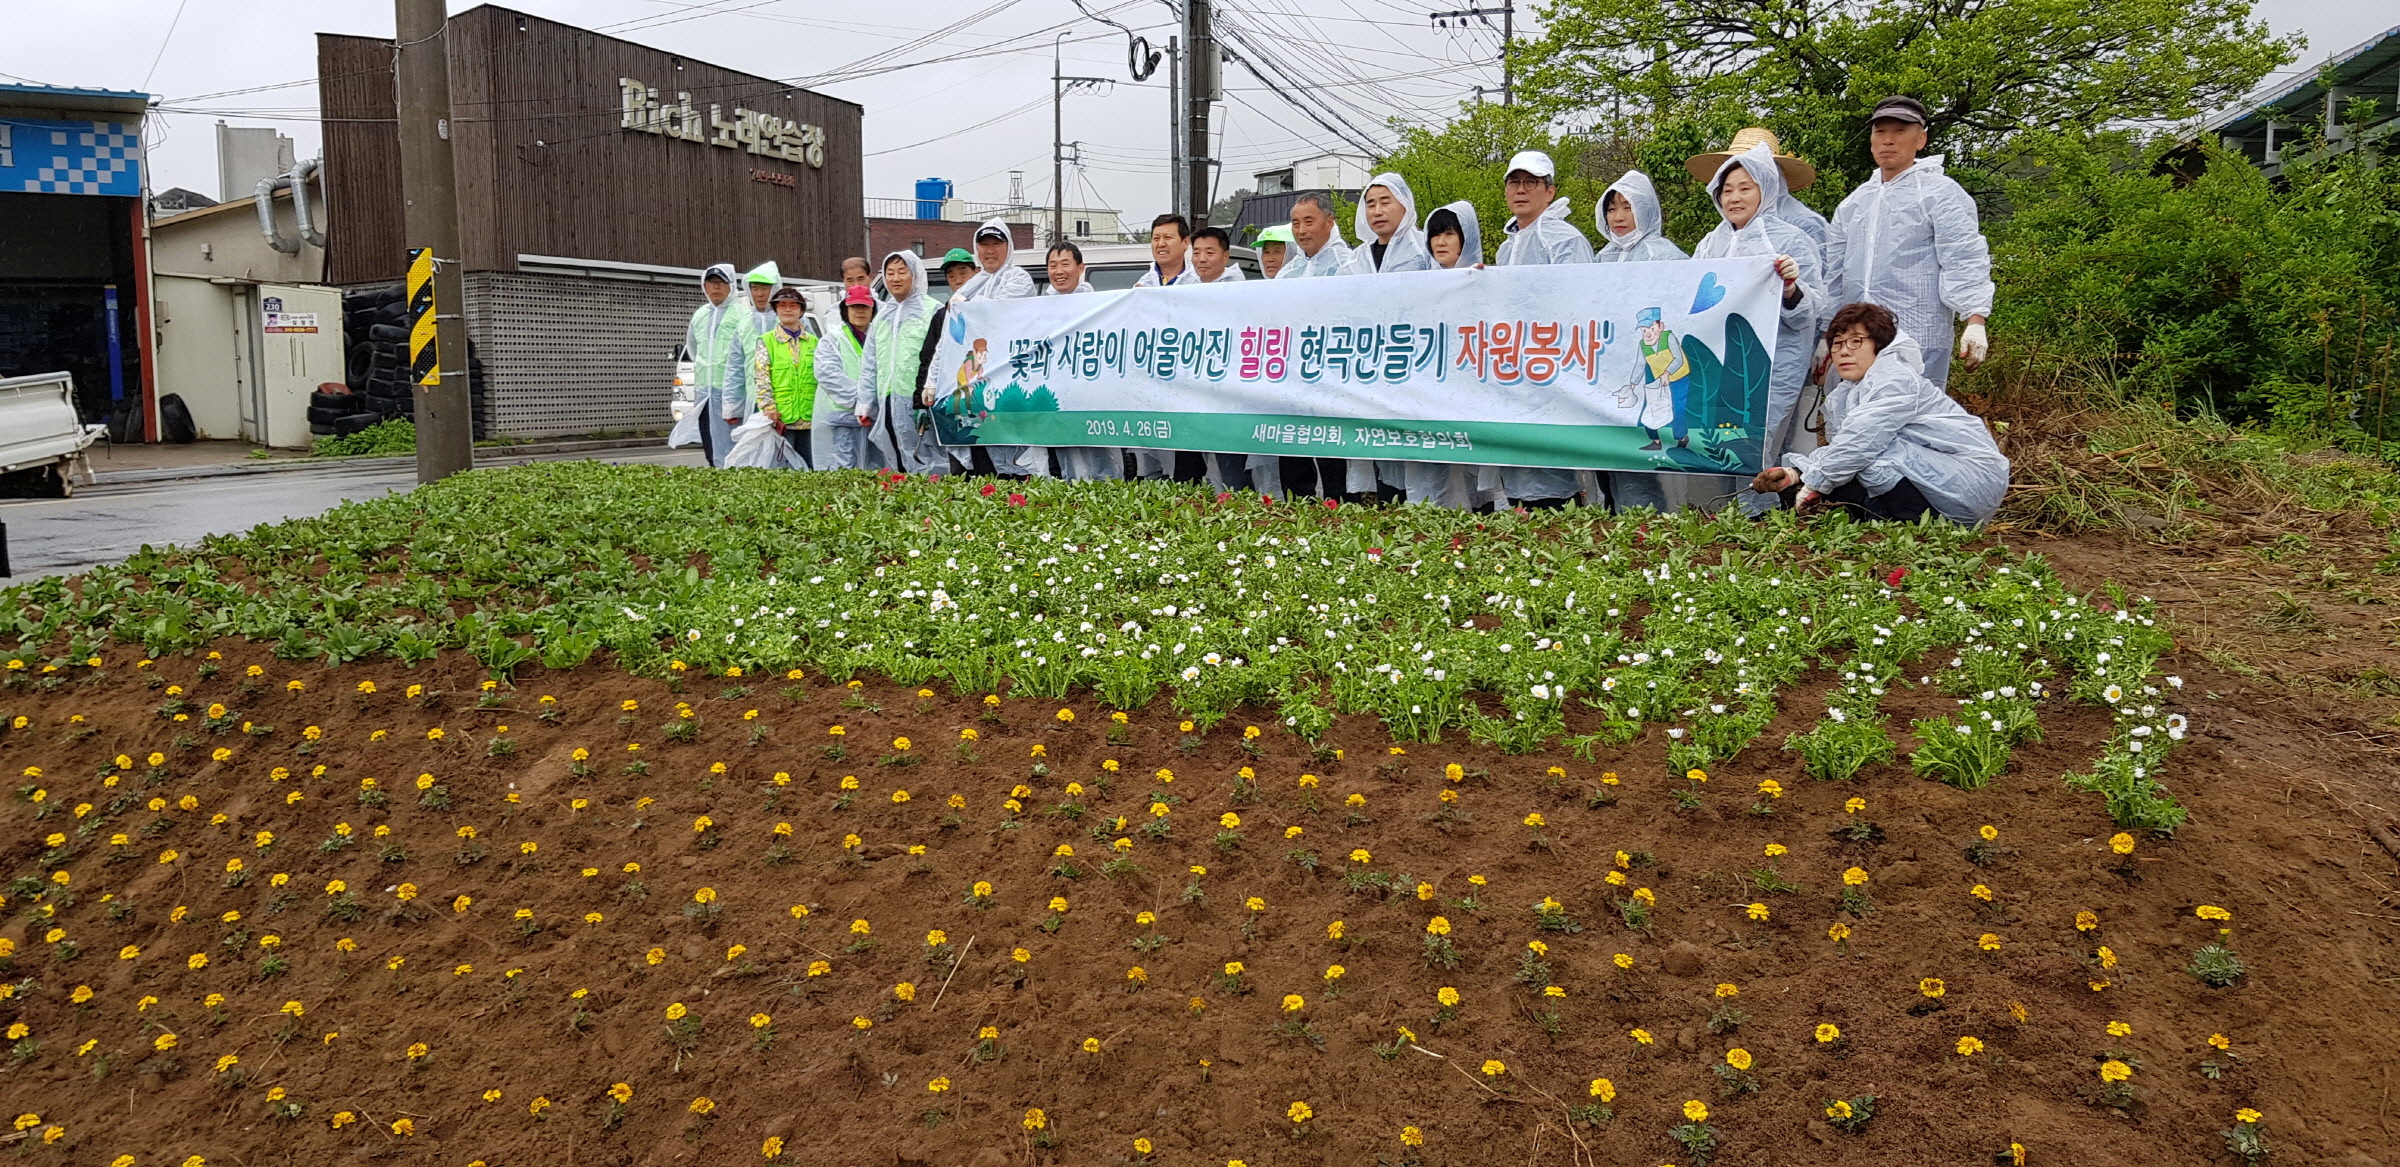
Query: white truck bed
x=38, y=427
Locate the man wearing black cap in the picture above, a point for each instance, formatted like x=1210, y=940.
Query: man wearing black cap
x=1908, y=239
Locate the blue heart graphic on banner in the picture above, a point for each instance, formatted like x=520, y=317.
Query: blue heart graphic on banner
x=1710, y=295
x=958, y=324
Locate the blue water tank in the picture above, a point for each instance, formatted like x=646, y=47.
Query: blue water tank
x=930, y=193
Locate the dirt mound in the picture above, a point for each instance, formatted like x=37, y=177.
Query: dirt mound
x=539, y=966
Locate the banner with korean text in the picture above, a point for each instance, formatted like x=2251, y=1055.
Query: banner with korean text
x=1637, y=366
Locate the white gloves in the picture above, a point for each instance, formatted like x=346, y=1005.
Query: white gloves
x=1974, y=344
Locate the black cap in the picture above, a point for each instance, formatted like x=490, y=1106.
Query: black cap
x=991, y=233
x=1897, y=108
x=787, y=293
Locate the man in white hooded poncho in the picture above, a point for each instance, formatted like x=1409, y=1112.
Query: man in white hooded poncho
x=1079, y=463
x=1898, y=445
x=715, y=341
x=1316, y=250
x=996, y=278
x=888, y=388
x=1538, y=232
x=1748, y=229
x=1908, y=238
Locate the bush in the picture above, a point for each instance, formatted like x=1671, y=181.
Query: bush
x=398, y=436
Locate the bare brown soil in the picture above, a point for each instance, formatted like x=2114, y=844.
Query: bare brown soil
x=2288, y=785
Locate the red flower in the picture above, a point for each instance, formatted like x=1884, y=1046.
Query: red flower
x=1893, y=580
x=1016, y=500
x=1375, y=552
x=1224, y=497
x=1332, y=503
x=988, y=488
x=1266, y=500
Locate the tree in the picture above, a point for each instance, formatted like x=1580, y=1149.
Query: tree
x=1224, y=211
x=1985, y=69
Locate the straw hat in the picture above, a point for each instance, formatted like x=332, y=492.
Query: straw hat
x=1797, y=175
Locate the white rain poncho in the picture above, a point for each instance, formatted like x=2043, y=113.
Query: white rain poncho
x=1550, y=240
x=1087, y=463
x=1010, y=282
x=1914, y=246
x=836, y=437
x=1405, y=252
x=1791, y=210
x=761, y=322
x=1643, y=244
x=1231, y=275
x=1796, y=339
x=1328, y=261
x=888, y=376
x=1470, y=251
x=714, y=339
x=1150, y=279
x=1895, y=424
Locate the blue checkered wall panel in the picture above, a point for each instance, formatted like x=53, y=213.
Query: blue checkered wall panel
x=85, y=158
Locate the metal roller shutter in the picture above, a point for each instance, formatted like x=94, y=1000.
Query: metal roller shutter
x=562, y=355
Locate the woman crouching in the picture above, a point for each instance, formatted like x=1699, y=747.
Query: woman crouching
x=1897, y=445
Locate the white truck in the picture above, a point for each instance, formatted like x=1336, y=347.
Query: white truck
x=42, y=441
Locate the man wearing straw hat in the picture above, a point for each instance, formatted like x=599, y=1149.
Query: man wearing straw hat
x=1908, y=239
x=1798, y=176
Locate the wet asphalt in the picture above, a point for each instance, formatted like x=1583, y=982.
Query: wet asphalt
x=107, y=523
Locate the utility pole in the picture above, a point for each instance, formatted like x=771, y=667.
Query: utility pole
x=1202, y=85
x=1176, y=174
x=1060, y=86
x=429, y=198
x=1507, y=12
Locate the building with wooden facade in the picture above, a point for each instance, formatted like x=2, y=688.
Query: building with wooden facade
x=596, y=178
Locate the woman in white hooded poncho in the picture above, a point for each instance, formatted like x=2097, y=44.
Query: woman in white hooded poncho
x=1898, y=446
x=887, y=399
x=1453, y=242
x=1749, y=228
x=997, y=277
x=1634, y=197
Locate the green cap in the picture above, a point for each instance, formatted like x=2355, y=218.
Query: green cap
x=958, y=255
x=765, y=273
x=1280, y=233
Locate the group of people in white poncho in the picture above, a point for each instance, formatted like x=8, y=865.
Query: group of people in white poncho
x=1857, y=415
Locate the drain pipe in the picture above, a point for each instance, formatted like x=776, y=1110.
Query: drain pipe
x=297, y=181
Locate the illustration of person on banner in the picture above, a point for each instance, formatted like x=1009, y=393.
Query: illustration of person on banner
x=1666, y=381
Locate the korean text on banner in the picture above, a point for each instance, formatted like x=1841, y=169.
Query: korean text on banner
x=1655, y=366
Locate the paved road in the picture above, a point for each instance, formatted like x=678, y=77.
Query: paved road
x=104, y=524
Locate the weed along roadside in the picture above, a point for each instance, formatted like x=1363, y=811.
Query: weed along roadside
x=1138, y=823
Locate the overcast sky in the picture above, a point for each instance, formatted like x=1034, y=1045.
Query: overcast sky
x=1362, y=61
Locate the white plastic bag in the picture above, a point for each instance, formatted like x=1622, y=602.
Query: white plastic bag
x=687, y=431
x=756, y=444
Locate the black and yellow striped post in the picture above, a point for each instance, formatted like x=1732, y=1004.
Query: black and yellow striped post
x=424, y=348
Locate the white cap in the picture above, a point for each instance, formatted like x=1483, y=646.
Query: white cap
x=1532, y=162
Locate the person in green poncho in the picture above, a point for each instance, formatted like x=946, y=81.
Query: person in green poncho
x=784, y=371
x=714, y=340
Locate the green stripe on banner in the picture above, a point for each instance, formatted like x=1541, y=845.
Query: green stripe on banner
x=1595, y=447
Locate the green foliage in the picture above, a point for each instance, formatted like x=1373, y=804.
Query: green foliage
x=2263, y=300
x=397, y=436
x=1986, y=69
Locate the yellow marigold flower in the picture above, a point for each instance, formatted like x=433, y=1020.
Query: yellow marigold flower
x=1695, y=1111
x=1333, y=931
x=1553, y=991
x=2121, y=843
x=1035, y=1120
x=1854, y=805
x=1447, y=996
x=702, y=1105
x=2220, y=1041
x=491, y=1095
x=1622, y=960
x=1838, y=932
x=1981, y=892
x=676, y=1011
x=2113, y=1070
x=1438, y=926
x=1988, y=942
x=1091, y=1045
x=2247, y=1115
x=1776, y=850
x=1756, y=911
x=622, y=1092
x=1229, y=820
x=1932, y=987
x=1839, y=1109
x=937, y=1086
x=1738, y=1058
x=1255, y=904
x=1294, y=1002
x=1828, y=1033
x=537, y=1106
x=655, y=955
x=2086, y=921
x=1729, y=989
x=416, y=1051
x=2212, y=912
x=2107, y=956
x=1361, y=855
x=1614, y=878
x=818, y=968
x=343, y=1118
x=1535, y=820
x=1988, y=832
x=1854, y=876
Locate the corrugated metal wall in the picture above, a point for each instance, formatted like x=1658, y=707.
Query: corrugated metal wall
x=567, y=355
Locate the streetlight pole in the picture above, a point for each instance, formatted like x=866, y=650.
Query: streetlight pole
x=1058, y=148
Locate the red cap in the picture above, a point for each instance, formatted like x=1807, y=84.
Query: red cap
x=857, y=294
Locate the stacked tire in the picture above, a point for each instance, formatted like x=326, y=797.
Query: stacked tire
x=375, y=321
